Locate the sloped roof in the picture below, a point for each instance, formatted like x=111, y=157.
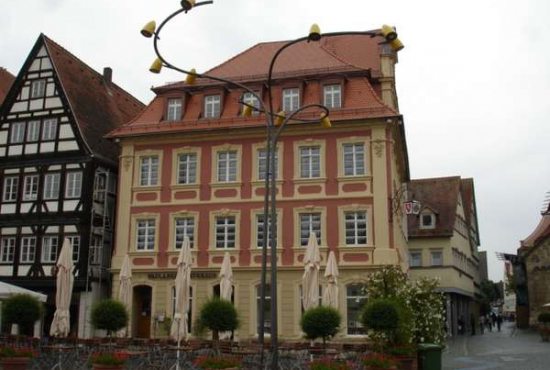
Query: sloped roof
x=6, y=80
x=541, y=231
x=439, y=194
x=99, y=106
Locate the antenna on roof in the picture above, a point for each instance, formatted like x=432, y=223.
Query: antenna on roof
x=546, y=205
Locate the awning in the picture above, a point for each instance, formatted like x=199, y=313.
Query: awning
x=7, y=290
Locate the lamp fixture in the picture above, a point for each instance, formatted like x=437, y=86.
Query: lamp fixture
x=156, y=66
x=388, y=32
x=396, y=44
x=149, y=29
x=280, y=119
x=187, y=4
x=247, y=111
x=325, y=122
x=191, y=78
x=314, y=32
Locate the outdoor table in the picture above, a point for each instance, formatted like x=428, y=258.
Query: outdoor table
x=59, y=349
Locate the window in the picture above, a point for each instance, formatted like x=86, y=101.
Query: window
x=437, y=258
x=95, y=250
x=227, y=166
x=355, y=299
x=30, y=191
x=75, y=243
x=267, y=309
x=427, y=221
x=356, y=228
x=185, y=227
x=225, y=232
x=11, y=185
x=250, y=99
x=51, y=186
x=262, y=163
x=73, y=187
x=187, y=169
x=301, y=298
x=310, y=223
x=217, y=292
x=310, y=162
x=149, y=168
x=37, y=88
x=145, y=235
x=190, y=305
x=260, y=230
x=33, y=130
x=291, y=99
x=354, y=159
x=332, y=96
x=49, y=249
x=212, y=106
x=28, y=249
x=7, y=250
x=416, y=259
x=174, y=110
x=49, y=129
x=17, y=132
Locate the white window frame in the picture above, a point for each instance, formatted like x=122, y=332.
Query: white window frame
x=38, y=89
x=49, y=129
x=30, y=187
x=260, y=232
x=291, y=99
x=187, y=168
x=332, y=96
x=148, y=237
x=433, y=260
x=431, y=225
x=33, y=131
x=148, y=170
x=262, y=163
x=11, y=188
x=50, y=248
x=28, y=249
x=415, y=259
x=73, y=184
x=250, y=99
x=309, y=168
x=75, y=241
x=308, y=225
x=186, y=228
x=17, y=132
x=212, y=106
x=225, y=226
x=95, y=250
x=354, y=159
x=52, y=182
x=355, y=298
x=174, y=109
x=7, y=249
x=355, y=224
x=227, y=163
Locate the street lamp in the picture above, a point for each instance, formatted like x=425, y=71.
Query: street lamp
x=275, y=123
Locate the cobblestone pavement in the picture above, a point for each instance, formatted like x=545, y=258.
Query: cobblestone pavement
x=507, y=350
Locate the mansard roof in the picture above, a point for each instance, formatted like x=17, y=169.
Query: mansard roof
x=6, y=80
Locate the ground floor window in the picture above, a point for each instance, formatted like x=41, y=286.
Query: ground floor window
x=267, y=309
x=356, y=299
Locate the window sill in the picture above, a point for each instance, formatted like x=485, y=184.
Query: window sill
x=229, y=184
x=314, y=180
x=147, y=188
x=359, y=248
x=143, y=253
x=185, y=186
x=262, y=182
x=354, y=178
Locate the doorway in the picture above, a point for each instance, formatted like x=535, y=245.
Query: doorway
x=142, y=311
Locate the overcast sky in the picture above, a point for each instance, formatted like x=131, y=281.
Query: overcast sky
x=473, y=80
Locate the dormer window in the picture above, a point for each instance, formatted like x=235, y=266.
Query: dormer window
x=291, y=99
x=250, y=99
x=212, y=106
x=174, y=109
x=427, y=221
x=332, y=96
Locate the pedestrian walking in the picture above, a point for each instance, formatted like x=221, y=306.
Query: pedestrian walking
x=488, y=321
x=461, y=325
x=473, y=323
x=499, y=321
x=493, y=319
x=481, y=324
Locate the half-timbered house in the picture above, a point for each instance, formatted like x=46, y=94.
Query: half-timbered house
x=58, y=175
x=6, y=79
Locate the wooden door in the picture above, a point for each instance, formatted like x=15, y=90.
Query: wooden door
x=142, y=296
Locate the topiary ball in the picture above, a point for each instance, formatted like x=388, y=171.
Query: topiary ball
x=381, y=315
x=218, y=315
x=320, y=322
x=21, y=309
x=110, y=315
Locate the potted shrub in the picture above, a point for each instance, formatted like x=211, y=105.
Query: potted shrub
x=109, y=315
x=378, y=361
x=108, y=360
x=23, y=310
x=329, y=364
x=217, y=315
x=321, y=322
x=13, y=358
x=405, y=357
x=544, y=325
x=211, y=363
x=381, y=319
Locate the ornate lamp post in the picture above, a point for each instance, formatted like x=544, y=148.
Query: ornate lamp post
x=275, y=124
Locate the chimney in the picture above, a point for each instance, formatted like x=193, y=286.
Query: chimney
x=108, y=74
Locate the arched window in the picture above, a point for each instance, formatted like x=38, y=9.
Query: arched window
x=217, y=292
x=190, y=313
x=301, y=297
x=355, y=300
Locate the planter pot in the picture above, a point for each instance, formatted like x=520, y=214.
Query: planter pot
x=407, y=363
x=15, y=363
x=545, y=333
x=107, y=367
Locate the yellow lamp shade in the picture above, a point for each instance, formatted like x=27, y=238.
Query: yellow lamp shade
x=314, y=32
x=190, y=77
x=156, y=66
x=187, y=4
x=247, y=111
x=325, y=122
x=280, y=119
x=389, y=32
x=149, y=29
x=397, y=45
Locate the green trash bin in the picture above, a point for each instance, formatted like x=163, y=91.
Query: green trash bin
x=429, y=356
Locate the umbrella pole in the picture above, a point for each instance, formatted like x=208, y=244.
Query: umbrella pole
x=179, y=338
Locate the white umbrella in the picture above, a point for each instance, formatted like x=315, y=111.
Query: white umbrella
x=310, y=279
x=226, y=285
x=125, y=290
x=183, y=277
x=330, y=296
x=64, y=289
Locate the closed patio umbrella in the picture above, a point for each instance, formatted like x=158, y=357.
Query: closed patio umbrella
x=183, y=277
x=330, y=296
x=125, y=291
x=64, y=289
x=226, y=285
x=310, y=279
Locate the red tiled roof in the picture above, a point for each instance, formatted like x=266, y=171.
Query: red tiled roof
x=541, y=231
x=6, y=79
x=98, y=106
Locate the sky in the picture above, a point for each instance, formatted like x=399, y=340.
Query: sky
x=473, y=80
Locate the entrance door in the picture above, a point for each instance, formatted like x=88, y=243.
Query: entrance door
x=142, y=311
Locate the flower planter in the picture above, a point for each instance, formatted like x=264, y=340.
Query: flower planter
x=407, y=363
x=227, y=368
x=544, y=333
x=107, y=367
x=15, y=363
x=380, y=368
